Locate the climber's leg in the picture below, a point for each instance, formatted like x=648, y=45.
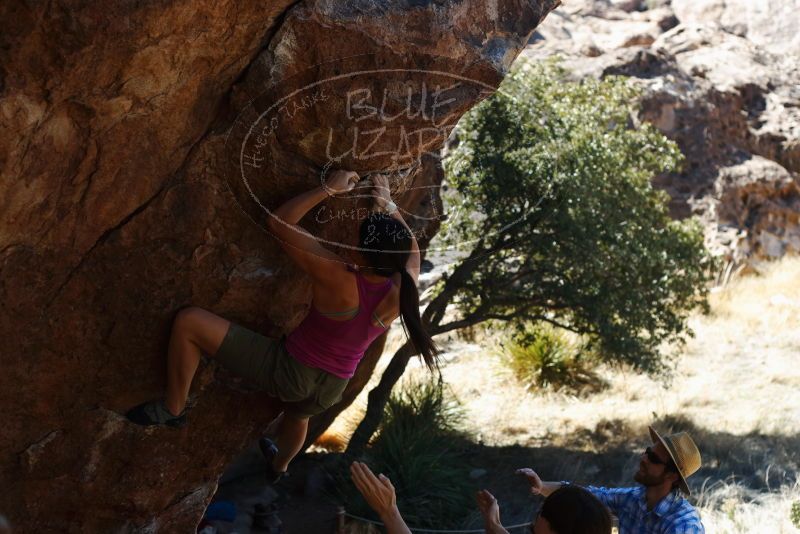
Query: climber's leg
x=290, y=438
x=291, y=435
x=194, y=331
x=322, y=390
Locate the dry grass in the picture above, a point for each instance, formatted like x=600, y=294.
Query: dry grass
x=729, y=508
x=736, y=388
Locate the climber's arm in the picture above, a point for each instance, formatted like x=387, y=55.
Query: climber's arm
x=383, y=198
x=301, y=246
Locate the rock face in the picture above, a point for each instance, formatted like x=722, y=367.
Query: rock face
x=771, y=25
x=722, y=79
x=142, y=147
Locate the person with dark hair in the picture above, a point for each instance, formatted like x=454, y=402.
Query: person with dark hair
x=351, y=306
x=571, y=510
x=656, y=504
x=568, y=510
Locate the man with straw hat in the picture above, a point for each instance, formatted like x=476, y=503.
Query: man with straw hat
x=656, y=505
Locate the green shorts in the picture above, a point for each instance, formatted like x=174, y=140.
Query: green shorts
x=264, y=361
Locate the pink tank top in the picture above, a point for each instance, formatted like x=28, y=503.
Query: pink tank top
x=337, y=346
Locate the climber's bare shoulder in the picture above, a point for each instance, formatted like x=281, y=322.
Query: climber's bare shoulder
x=324, y=266
x=321, y=264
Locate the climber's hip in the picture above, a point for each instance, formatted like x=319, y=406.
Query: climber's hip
x=266, y=363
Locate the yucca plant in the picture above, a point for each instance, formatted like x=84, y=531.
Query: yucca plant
x=420, y=447
x=542, y=356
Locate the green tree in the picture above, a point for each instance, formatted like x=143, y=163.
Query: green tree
x=559, y=224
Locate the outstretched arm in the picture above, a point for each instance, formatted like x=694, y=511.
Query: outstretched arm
x=379, y=494
x=538, y=486
x=301, y=246
x=383, y=198
x=490, y=511
x=612, y=498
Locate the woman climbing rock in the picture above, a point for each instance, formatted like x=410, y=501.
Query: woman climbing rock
x=351, y=306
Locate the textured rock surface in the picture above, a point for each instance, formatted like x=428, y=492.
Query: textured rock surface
x=140, y=148
x=771, y=24
x=723, y=80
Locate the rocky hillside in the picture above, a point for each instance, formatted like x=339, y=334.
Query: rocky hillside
x=722, y=79
x=141, y=148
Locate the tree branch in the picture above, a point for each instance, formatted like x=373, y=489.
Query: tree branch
x=377, y=399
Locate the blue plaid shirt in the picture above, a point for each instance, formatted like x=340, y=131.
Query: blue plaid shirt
x=672, y=515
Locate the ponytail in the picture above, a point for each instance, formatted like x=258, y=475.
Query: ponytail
x=412, y=322
x=386, y=245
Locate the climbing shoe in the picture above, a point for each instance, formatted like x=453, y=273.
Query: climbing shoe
x=155, y=413
x=270, y=450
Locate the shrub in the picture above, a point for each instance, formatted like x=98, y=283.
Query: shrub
x=420, y=448
x=795, y=514
x=543, y=356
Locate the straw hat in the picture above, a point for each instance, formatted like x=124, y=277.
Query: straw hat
x=683, y=452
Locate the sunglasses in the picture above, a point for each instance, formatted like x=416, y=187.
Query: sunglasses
x=653, y=458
